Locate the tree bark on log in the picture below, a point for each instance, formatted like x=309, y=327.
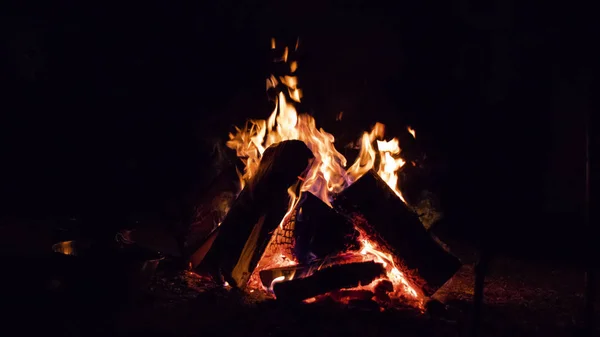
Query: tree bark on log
x=258, y=210
x=428, y=265
x=328, y=279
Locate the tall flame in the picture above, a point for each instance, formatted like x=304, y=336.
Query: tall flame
x=326, y=175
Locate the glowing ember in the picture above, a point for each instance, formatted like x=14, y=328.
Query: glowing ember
x=326, y=175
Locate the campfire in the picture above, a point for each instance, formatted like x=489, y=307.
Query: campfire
x=306, y=226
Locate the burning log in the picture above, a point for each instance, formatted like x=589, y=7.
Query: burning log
x=245, y=232
x=388, y=218
x=328, y=279
x=301, y=270
x=349, y=295
x=268, y=275
x=321, y=231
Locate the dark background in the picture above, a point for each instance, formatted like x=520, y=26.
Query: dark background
x=113, y=111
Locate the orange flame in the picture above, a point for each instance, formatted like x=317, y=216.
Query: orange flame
x=326, y=175
x=370, y=250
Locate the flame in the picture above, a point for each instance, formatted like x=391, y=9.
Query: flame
x=276, y=280
x=412, y=132
x=285, y=55
x=389, y=166
x=326, y=175
x=294, y=199
x=370, y=250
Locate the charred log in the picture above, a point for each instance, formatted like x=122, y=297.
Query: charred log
x=428, y=265
x=200, y=253
x=320, y=231
x=211, y=210
x=245, y=232
x=328, y=279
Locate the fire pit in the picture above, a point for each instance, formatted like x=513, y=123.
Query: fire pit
x=304, y=227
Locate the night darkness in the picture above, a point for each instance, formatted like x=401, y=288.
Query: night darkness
x=111, y=113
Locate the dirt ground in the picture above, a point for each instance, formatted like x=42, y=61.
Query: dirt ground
x=521, y=299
